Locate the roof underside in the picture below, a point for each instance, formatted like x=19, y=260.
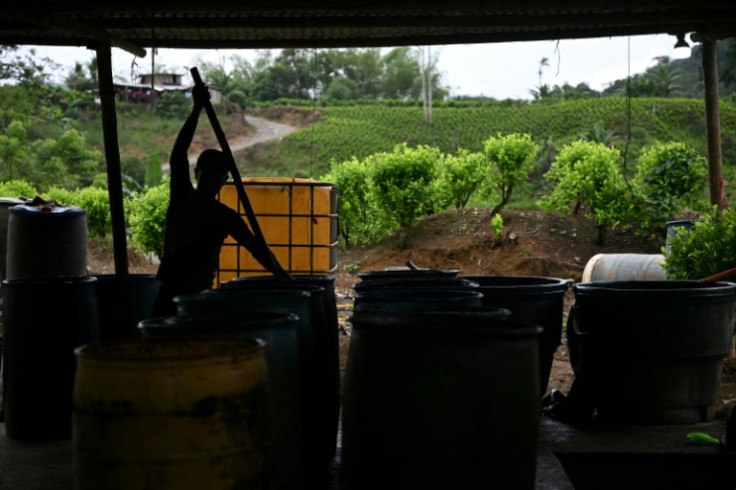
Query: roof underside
x=133, y=24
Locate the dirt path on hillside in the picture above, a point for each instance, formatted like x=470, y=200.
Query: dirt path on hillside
x=265, y=130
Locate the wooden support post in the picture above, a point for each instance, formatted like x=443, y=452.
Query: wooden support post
x=112, y=157
x=713, y=124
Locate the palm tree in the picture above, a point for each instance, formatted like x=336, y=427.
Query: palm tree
x=664, y=77
x=543, y=92
x=542, y=63
x=598, y=133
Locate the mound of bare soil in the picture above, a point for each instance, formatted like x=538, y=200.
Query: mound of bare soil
x=531, y=243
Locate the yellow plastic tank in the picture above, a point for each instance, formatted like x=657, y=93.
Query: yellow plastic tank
x=298, y=218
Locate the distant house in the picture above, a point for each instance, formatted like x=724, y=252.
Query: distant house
x=143, y=90
x=171, y=80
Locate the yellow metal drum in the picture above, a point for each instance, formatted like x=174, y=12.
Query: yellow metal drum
x=172, y=414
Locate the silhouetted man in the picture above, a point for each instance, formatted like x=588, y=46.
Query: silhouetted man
x=197, y=223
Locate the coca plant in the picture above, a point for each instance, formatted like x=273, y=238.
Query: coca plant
x=589, y=173
x=708, y=247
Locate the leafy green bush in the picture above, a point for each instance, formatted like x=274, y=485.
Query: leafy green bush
x=14, y=152
x=459, y=176
x=589, y=173
x=147, y=218
x=497, y=227
x=359, y=221
x=509, y=159
x=94, y=200
x=97, y=203
x=173, y=104
x=404, y=182
x=153, y=172
x=17, y=188
x=63, y=196
x=705, y=249
x=67, y=161
x=669, y=177
x=133, y=167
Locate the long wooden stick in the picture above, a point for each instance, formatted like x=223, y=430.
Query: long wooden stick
x=220, y=134
x=720, y=275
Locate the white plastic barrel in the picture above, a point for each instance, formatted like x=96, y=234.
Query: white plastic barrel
x=624, y=267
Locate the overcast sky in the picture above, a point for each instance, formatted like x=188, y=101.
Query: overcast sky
x=498, y=70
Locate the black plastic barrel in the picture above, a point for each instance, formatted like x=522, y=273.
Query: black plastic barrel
x=405, y=274
x=652, y=351
x=675, y=227
x=278, y=331
x=420, y=282
x=306, y=304
x=5, y=204
x=46, y=242
x=532, y=300
x=322, y=404
x=440, y=400
x=123, y=301
x=44, y=320
x=412, y=299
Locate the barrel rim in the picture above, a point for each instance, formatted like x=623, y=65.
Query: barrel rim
x=408, y=273
x=677, y=287
x=264, y=319
x=38, y=281
x=426, y=283
x=446, y=294
x=481, y=320
x=220, y=296
x=28, y=210
x=129, y=276
x=683, y=222
x=548, y=284
x=220, y=349
x=296, y=276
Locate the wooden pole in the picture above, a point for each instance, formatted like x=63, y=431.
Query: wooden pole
x=713, y=124
x=112, y=157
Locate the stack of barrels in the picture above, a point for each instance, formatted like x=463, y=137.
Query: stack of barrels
x=49, y=309
x=442, y=383
x=240, y=389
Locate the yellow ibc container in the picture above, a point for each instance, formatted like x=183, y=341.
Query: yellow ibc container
x=298, y=218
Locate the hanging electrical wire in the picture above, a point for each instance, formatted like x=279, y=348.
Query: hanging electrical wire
x=314, y=108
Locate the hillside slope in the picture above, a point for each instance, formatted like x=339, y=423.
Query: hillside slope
x=533, y=243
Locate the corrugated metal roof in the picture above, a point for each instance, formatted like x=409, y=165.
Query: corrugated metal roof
x=329, y=23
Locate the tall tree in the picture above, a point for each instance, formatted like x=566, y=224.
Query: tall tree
x=233, y=85
x=428, y=67
x=544, y=62
x=24, y=69
x=400, y=76
x=77, y=78
x=293, y=75
x=362, y=66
